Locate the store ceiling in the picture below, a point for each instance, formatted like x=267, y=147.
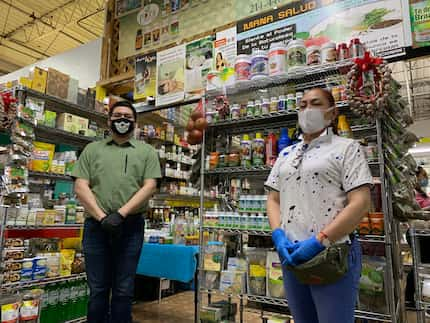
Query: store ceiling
x=32, y=30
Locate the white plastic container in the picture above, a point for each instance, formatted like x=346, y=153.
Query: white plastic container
x=214, y=80
x=242, y=68
x=328, y=53
x=259, y=64
x=296, y=54
x=277, y=59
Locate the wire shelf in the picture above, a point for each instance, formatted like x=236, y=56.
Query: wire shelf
x=269, y=121
x=263, y=170
x=267, y=233
x=58, y=105
x=50, y=176
x=372, y=238
x=304, y=77
x=78, y=320
x=41, y=282
x=55, y=135
x=44, y=227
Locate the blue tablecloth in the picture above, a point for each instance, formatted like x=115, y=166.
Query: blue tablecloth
x=174, y=262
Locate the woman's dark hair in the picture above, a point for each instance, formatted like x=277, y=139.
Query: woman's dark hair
x=123, y=104
x=418, y=187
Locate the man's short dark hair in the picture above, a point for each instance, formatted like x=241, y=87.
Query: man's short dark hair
x=123, y=104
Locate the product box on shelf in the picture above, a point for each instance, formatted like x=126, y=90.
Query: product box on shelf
x=40, y=78
x=72, y=93
x=57, y=84
x=72, y=123
x=26, y=82
x=49, y=119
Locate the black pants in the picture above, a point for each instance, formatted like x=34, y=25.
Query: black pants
x=111, y=269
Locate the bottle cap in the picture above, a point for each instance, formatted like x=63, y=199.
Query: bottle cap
x=258, y=136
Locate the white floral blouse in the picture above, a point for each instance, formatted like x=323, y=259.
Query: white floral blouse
x=313, y=181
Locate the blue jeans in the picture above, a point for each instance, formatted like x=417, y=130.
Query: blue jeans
x=111, y=269
x=334, y=303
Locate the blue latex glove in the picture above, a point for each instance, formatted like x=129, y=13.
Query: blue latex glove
x=306, y=250
x=283, y=245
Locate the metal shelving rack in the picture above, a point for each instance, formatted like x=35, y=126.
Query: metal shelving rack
x=307, y=78
x=52, y=135
x=418, y=267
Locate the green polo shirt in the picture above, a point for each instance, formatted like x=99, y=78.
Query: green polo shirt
x=117, y=172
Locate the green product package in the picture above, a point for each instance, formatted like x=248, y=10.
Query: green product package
x=49, y=119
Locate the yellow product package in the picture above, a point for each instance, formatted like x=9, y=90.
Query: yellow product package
x=42, y=156
x=67, y=258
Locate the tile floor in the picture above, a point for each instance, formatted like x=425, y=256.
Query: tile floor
x=179, y=308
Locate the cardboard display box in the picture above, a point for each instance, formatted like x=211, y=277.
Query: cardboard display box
x=40, y=78
x=70, y=122
x=58, y=84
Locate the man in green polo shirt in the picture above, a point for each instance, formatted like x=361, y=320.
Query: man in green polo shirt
x=115, y=178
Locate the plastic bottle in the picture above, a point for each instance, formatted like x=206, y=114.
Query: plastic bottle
x=245, y=151
x=282, y=103
x=74, y=299
x=291, y=102
x=284, y=141
x=258, y=150
x=53, y=302
x=257, y=108
x=271, y=149
x=250, y=109
x=265, y=107
x=44, y=313
x=343, y=128
x=273, y=104
x=277, y=59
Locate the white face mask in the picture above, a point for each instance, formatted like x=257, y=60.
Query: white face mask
x=311, y=120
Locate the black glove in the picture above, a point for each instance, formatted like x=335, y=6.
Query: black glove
x=112, y=224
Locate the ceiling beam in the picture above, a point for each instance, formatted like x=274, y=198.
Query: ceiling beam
x=33, y=23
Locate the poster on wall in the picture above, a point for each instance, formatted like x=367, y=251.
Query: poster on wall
x=162, y=22
x=198, y=63
x=170, y=75
x=145, y=76
x=225, y=49
x=379, y=24
x=420, y=23
x=125, y=7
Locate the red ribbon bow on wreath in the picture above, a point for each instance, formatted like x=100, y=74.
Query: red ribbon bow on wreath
x=8, y=99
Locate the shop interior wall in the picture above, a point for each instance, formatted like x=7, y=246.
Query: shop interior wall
x=81, y=63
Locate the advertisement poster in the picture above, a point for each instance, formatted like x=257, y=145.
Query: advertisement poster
x=125, y=7
x=145, y=76
x=170, y=75
x=162, y=22
x=379, y=24
x=225, y=49
x=420, y=23
x=198, y=62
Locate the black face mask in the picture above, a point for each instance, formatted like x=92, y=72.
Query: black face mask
x=122, y=126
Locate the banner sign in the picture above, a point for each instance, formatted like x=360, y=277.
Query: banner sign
x=420, y=23
x=379, y=24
